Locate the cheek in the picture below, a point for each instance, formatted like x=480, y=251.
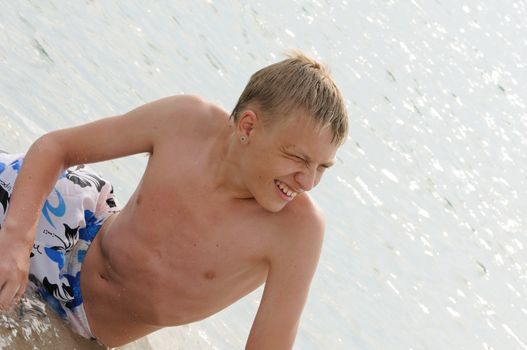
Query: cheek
x=259, y=167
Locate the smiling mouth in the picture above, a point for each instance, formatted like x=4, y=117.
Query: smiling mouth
x=285, y=189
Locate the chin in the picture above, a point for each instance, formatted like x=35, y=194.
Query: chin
x=272, y=206
x=275, y=209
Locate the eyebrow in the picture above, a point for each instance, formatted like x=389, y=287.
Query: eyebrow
x=294, y=149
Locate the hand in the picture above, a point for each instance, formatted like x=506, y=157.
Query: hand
x=14, y=270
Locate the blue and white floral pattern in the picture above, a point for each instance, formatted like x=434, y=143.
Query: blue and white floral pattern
x=72, y=215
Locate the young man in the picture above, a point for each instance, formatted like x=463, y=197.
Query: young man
x=221, y=208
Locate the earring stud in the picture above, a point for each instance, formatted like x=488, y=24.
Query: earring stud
x=243, y=139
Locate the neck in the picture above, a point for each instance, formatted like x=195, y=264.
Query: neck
x=225, y=164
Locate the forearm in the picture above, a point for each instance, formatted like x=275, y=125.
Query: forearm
x=42, y=165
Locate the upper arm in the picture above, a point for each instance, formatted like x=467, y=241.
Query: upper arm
x=137, y=131
x=291, y=270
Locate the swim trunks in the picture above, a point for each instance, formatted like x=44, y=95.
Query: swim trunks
x=71, y=216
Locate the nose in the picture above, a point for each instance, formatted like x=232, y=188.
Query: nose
x=307, y=179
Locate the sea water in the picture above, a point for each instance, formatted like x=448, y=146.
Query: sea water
x=426, y=238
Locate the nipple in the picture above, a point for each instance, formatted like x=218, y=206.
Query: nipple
x=210, y=275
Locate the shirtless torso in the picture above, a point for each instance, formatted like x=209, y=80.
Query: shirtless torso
x=181, y=249
x=155, y=267
x=208, y=223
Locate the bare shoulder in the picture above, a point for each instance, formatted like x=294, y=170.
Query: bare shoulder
x=180, y=120
x=304, y=214
x=299, y=229
x=187, y=110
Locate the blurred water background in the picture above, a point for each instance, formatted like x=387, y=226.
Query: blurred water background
x=426, y=241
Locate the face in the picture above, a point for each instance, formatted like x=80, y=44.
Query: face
x=282, y=161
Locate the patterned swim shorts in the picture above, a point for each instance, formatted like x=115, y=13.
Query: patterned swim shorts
x=71, y=216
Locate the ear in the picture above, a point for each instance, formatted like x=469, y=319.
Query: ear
x=247, y=123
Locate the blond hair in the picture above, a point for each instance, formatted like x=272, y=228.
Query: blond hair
x=298, y=82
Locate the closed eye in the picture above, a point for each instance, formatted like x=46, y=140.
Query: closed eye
x=302, y=160
x=298, y=159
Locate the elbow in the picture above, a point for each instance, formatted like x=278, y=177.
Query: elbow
x=49, y=147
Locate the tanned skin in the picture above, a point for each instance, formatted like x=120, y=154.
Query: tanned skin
x=206, y=225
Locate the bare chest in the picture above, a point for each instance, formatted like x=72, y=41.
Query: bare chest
x=185, y=252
